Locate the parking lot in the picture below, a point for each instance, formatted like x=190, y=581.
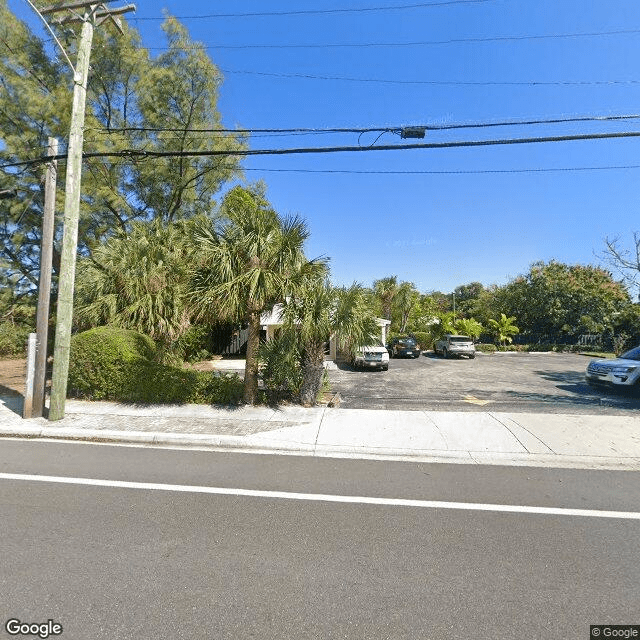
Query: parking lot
x=521, y=382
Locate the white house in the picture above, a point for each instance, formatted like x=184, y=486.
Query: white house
x=271, y=321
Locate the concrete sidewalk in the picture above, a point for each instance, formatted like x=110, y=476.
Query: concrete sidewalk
x=572, y=441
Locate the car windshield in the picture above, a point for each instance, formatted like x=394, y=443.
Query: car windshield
x=633, y=354
x=460, y=339
x=408, y=342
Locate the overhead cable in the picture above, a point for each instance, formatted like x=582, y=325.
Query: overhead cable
x=306, y=12
x=388, y=129
x=482, y=83
x=445, y=171
x=144, y=154
x=419, y=43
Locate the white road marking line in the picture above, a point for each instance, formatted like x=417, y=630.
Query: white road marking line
x=320, y=497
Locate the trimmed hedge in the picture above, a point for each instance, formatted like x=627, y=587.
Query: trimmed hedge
x=105, y=362
x=109, y=363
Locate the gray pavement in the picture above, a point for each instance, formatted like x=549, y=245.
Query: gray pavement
x=486, y=437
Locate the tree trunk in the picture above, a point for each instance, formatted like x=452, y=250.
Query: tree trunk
x=312, y=371
x=251, y=365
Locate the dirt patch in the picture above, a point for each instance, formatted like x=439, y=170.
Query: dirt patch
x=12, y=377
x=205, y=365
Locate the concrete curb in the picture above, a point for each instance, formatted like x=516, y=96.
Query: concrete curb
x=243, y=444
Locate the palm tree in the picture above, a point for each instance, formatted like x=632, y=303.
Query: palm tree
x=504, y=328
x=405, y=300
x=315, y=312
x=251, y=261
x=385, y=290
x=138, y=280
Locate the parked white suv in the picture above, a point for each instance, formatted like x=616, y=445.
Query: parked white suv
x=371, y=357
x=619, y=372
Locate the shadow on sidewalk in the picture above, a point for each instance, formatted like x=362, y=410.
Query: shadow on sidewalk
x=12, y=400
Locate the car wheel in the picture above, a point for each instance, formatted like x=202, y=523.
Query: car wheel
x=445, y=353
x=472, y=356
x=385, y=368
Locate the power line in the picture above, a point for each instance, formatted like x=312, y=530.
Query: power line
x=419, y=5
x=145, y=154
x=392, y=129
x=421, y=43
x=486, y=83
x=447, y=172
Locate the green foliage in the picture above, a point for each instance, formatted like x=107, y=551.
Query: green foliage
x=138, y=280
x=161, y=383
x=445, y=324
x=385, y=290
x=628, y=321
x=557, y=298
x=281, y=370
x=486, y=348
x=105, y=362
x=422, y=315
x=423, y=338
x=17, y=320
x=194, y=344
x=13, y=339
x=503, y=328
x=252, y=260
x=128, y=91
x=110, y=363
x=469, y=327
x=405, y=301
x=314, y=312
x=621, y=343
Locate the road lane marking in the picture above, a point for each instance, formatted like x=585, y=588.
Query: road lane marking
x=474, y=400
x=320, y=497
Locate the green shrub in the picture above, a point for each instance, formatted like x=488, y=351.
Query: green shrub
x=194, y=344
x=109, y=363
x=548, y=346
x=281, y=371
x=13, y=339
x=104, y=362
x=160, y=383
x=512, y=347
x=486, y=348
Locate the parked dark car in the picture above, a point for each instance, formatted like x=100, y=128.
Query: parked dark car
x=406, y=347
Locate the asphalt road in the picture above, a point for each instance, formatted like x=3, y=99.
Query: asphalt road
x=531, y=383
x=141, y=561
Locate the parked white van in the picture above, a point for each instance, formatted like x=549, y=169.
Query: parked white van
x=373, y=356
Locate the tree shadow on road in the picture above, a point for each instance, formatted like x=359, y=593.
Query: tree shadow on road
x=575, y=383
x=579, y=399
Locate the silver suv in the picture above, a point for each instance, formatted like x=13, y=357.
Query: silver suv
x=619, y=372
x=449, y=346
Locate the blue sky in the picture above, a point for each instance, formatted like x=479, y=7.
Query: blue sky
x=447, y=220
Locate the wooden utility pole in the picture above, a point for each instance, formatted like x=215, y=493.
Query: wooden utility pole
x=92, y=14
x=44, y=288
